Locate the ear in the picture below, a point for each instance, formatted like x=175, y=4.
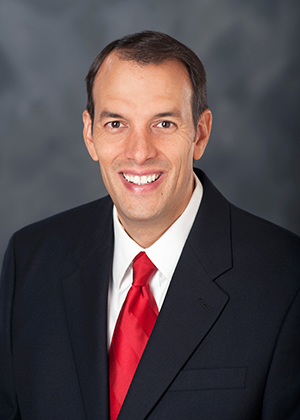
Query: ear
x=203, y=133
x=88, y=135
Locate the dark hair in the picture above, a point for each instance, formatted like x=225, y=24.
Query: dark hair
x=149, y=47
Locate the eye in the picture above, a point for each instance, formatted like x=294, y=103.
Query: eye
x=114, y=124
x=165, y=124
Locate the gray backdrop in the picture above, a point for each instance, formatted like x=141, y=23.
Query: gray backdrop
x=251, y=54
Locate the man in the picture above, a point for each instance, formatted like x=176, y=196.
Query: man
x=224, y=285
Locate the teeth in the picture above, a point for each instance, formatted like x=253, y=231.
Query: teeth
x=141, y=180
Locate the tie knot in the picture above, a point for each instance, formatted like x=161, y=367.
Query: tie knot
x=143, y=269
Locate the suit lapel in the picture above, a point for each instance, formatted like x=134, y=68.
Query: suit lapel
x=193, y=304
x=85, y=297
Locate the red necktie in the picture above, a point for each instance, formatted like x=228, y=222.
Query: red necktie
x=133, y=328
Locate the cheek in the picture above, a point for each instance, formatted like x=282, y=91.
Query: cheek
x=182, y=157
x=109, y=167
x=106, y=155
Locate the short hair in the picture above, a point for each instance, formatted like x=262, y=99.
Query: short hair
x=150, y=47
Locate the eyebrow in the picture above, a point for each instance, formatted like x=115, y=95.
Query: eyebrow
x=107, y=114
x=175, y=113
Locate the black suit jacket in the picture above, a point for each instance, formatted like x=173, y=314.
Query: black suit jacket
x=226, y=344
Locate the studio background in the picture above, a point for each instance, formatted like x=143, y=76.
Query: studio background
x=252, y=58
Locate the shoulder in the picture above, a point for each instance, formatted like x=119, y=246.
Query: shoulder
x=262, y=237
x=265, y=257
x=259, y=249
x=69, y=221
x=66, y=236
x=248, y=230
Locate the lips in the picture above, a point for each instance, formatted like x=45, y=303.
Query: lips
x=141, y=180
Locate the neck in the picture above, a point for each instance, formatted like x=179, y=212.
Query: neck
x=146, y=232
x=143, y=233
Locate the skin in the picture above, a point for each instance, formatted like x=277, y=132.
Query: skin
x=143, y=126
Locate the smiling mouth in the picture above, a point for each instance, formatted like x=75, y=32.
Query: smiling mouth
x=141, y=180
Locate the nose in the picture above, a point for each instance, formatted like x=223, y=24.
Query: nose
x=139, y=146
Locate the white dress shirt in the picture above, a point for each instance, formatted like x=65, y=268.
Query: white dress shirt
x=164, y=254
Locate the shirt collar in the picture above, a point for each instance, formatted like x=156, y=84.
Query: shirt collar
x=165, y=252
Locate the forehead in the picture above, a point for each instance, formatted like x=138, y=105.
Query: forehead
x=117, y=73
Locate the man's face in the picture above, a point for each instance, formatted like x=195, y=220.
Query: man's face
x=143, y=137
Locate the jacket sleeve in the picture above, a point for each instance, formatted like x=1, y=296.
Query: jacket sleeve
x=282, y=392
x=8, y=399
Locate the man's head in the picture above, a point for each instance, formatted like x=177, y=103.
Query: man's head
x=141, y=128
x=149, y=47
